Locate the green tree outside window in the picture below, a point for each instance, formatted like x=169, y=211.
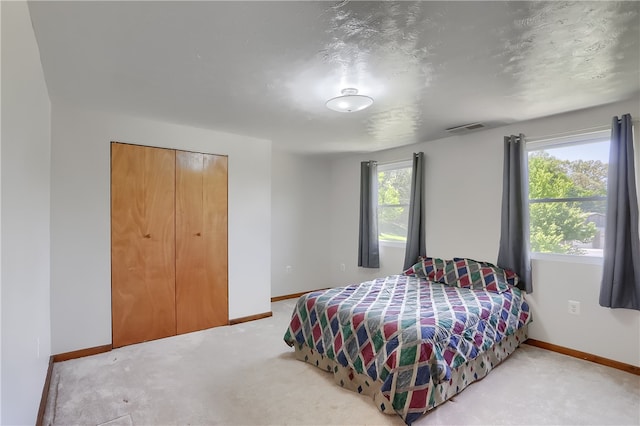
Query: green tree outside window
x=556, y=225
x=393, y=203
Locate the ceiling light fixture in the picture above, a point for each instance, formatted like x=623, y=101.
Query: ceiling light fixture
x=350, y=101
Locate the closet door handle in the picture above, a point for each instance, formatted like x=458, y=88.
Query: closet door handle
x=198, y=234
x=147, y=235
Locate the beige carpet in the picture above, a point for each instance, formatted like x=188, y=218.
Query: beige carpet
x=246, y=375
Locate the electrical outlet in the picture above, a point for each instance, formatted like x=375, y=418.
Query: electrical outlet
x=342, y=267
x=288, y=269
x=574, y=307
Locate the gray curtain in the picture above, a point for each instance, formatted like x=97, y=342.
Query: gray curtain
x=621, y=271
x=415, y=231
x=514, y=231
x=368, y=253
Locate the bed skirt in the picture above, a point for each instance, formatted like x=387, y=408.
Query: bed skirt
x=461, y=377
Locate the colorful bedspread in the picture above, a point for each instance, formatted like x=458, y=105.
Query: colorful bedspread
x=406, y=332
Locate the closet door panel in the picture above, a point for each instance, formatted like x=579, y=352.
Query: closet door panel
x=215, y=205
x=142, y=243
x=201, y=241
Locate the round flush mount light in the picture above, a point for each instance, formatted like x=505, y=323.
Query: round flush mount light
x=350, y=101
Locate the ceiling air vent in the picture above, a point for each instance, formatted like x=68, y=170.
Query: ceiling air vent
x=465, y=128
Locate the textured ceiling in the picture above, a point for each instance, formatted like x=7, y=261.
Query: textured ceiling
x=265, y=69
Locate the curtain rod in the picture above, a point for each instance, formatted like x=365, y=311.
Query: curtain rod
x=574, y=132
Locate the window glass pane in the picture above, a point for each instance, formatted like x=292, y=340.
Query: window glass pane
x=568, y=228
x=393, y=203
x=574, y=171
x=393, y=223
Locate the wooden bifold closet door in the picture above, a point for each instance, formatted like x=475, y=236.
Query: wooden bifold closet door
x=168, y=242
x=201, y=241
x=142, y=243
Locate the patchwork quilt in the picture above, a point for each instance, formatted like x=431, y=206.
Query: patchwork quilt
x=406, y=332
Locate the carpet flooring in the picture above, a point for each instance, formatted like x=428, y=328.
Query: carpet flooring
x=246, y=375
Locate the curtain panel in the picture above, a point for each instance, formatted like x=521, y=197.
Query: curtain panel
x=368, y=249
x=514, y=230
x=621, y=270
x=416, y=229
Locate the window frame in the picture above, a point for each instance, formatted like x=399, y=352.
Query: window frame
x=385, y=167
x=576, y=139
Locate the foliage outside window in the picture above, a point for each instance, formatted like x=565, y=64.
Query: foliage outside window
x=394, y=186
x=567, y=194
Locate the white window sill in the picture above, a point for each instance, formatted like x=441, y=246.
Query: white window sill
x=568, y=258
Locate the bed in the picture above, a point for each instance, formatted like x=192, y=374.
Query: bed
x=413, y=341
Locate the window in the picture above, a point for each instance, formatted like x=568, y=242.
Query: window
x=394, y=187
x=568, y=193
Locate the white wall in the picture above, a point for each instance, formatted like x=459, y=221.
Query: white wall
x=463, y=192
x=300, y=220
x=0, y=218
x=80, y=217
x=25, y=202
